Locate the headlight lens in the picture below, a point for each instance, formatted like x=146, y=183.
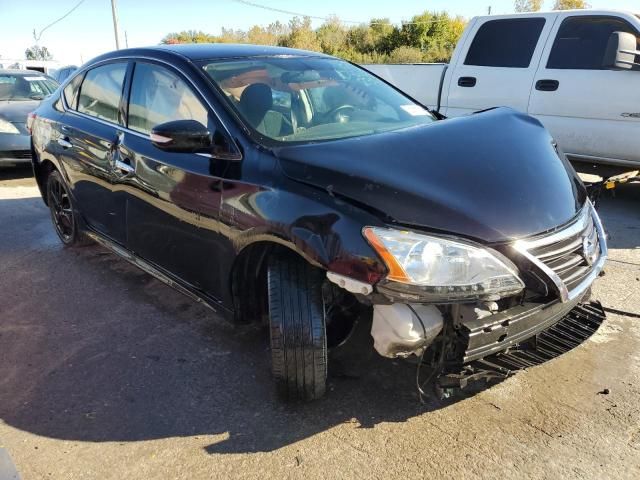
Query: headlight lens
x=443, y=267
x=8, y=127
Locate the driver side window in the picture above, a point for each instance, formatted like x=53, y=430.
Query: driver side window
x=158, y=96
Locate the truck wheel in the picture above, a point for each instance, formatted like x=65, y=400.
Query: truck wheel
x=297, y=328
x=62, y=212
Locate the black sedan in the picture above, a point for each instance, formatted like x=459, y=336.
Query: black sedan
x=20, y=93
x=295, y=189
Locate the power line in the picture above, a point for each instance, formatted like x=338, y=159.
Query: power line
x=326, y=19
x=39, y=36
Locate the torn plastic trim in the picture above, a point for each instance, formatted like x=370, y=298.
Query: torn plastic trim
x=350, y=284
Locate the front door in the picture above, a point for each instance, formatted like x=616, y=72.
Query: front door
x=590, y=111
x=499, y=66
x=173, y=198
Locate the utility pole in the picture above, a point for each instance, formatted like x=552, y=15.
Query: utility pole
x=126, y=39
x=489, y=10
x=115, y=23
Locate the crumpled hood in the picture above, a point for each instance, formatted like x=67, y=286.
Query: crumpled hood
x=493, y=176
x=16, y=111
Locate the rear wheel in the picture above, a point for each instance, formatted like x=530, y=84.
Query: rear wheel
x=62, y=212
x=297, y=328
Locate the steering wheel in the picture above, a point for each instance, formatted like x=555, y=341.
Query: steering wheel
x=338, y=115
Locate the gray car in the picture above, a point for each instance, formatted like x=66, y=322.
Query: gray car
x=20, y=93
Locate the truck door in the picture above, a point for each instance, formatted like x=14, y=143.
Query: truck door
x=498, y=67
x=592, y=112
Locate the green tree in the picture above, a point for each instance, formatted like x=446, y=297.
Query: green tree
x=37, y=52
x=405, y=54
x=187, y=36
x=261, y=36
x=332, y=36
x=528, y=5
x=428, y=37
x=435, y=34
x=301, y=35
x=570, y=4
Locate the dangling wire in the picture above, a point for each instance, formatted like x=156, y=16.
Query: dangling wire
x=420, y=385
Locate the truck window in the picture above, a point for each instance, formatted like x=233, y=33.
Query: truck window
x=505, y=43
x=581, y=42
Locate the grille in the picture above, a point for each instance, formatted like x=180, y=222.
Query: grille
x=19, y=154
x=570, y=256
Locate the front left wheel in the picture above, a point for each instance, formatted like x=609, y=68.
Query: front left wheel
x=62, y=212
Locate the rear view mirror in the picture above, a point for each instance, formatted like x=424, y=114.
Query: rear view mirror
x=182, y=136
x=621, y=51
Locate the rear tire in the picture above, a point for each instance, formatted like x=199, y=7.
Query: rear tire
x=63, y=214
x=297, y=329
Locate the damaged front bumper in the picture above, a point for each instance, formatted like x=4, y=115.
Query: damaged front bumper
x=558, y=269
x=500, y=331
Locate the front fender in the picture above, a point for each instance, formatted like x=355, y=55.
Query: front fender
x=325, y=230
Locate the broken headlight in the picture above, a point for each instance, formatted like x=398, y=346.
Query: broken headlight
x=442, y=268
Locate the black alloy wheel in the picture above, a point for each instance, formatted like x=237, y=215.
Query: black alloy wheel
x=62, y=213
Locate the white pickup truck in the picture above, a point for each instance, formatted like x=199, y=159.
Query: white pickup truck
x=577, y=71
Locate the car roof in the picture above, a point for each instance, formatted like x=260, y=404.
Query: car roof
x=23, y=73
x=206, y=51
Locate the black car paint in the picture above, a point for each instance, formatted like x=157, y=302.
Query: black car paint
x=195, y=217
x=500, y=179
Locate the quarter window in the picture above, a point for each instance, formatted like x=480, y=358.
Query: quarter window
x=101, y=91
x=581, y=42
x=159, y=96
x=505, y=43
x=70, y=92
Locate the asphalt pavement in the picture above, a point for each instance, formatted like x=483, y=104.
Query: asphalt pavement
x=107, y=373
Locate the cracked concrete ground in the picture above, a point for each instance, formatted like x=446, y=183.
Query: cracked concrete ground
x=106, y=373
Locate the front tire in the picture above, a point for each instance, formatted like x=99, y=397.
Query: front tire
x=297, y=329
x=62, y=212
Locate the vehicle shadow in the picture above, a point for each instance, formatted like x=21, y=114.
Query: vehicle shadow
x=15, y=172
x=93, y=349
x=621, y=215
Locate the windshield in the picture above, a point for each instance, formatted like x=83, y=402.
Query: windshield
x=25, y=87
x=302, y=99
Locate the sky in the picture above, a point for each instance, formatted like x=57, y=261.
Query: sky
x=88, y=31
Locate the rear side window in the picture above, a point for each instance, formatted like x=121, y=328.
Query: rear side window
x=581, y=42
x=158, y=96
x=505, y=43
x=101, y=90
x=70, y=92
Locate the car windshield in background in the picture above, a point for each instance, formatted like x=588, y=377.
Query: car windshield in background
x=25, y=87
x=302, y=99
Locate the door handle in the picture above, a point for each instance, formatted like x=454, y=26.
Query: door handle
x=125, y=167
x=64, y=142
x=467, y=82
x=547, y=85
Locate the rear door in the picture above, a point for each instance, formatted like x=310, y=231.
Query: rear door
x=88, y=141
x=593, y=112
x=498, y=66
x=173, y=198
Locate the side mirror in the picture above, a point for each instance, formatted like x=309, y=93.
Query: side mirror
x=181, y=136
x=621, y=51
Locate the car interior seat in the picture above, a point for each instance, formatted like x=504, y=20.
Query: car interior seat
x=256, y=103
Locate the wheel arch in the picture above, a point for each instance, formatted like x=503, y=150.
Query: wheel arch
x=42, y=171
x=248, y=277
